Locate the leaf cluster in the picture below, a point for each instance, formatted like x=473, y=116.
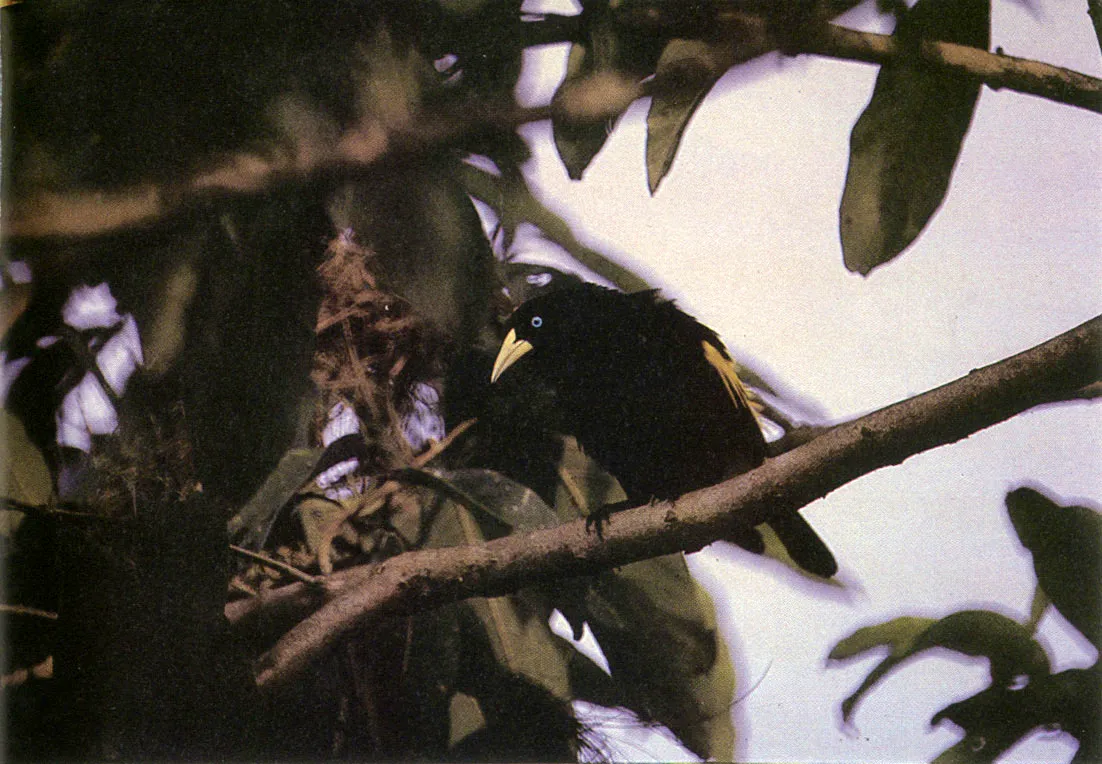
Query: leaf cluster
x=1024, y=695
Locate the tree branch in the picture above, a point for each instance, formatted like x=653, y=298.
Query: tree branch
x=420, y=580
x=996, y=70
x=84, y=213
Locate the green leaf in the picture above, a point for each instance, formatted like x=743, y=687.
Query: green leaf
x=583, y=485
x=602, y=76
x=514, y=203
x=900, y=634
x=1066, y=543
x=497, y=496
x=14, y=300
x=905, y=144
x=252, y=521
x=1008, y=645
x=657, y=629
x=465, y=718
x=515, y=627
x=26, y=476
x=997, y=718
x=686, y=71
x=1094, y=8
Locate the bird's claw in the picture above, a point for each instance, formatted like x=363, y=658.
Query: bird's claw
x=596, y=521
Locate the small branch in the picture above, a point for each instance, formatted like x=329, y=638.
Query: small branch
x=72, y=213
x=423, y=579
x=283, y=567
x=31, y=611
x=995, y=70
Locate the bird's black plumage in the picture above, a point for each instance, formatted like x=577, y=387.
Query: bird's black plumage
x=650, y=393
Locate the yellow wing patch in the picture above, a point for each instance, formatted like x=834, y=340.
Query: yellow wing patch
x=723, y=363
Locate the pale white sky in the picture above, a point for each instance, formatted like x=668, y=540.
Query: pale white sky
x=743, y=232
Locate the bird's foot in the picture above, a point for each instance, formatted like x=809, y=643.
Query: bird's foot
x=598, y=519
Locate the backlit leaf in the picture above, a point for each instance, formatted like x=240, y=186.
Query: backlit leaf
x=602, y=74
x=26, y=478
x=1066, y=543
x=1008, y=645
x=686, y=71
x=656, y=626
x=906, y=143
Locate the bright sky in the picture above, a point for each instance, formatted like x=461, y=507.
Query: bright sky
x=743, y=232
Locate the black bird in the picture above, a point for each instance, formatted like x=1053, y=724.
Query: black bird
x=651, y=394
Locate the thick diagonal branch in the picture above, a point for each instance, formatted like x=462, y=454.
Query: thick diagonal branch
x=1053, y=371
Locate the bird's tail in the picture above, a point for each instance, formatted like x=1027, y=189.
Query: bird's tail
x=803, y=544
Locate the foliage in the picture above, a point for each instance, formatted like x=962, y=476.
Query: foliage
x=280, y=194
x=1024, y=694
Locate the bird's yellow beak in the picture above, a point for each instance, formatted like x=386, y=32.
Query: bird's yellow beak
x=511, y=351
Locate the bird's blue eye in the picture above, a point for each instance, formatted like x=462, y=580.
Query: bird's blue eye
x=537, y=322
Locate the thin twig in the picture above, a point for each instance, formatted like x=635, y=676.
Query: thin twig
x=283, y=567
x=31, y=611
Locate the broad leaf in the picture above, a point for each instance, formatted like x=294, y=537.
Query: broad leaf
x=14, y=300
x=997, y=718
x=511, y=503
x=1066, y=543
x=1008, y=645
x=26, y=476
x=687, y=70
x=656, y=626
x=515, y=627
x=905, y=144
x=253, y=521
x=601, y=82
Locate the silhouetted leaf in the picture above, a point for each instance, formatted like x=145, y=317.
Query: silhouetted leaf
x=899, y=634
x=26, y=478
x=995, y=719
x=601, y=80
x=905, y=144
x=1066, y=543
x=657, y=629
x=1008, y=645
x=253, y=521
x=686, y=71
x=1094, y=8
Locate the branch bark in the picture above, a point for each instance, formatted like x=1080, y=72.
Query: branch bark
x=996, y=70
x=1054, y=370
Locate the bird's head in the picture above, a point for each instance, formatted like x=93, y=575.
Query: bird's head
x=552, y=329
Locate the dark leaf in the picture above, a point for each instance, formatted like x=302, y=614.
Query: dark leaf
x=905, y=144
x=514, y=203
x=1008, y=645
x=514, y=629
x=657, y=629
x=26, y=478
x=14, y=300
x=506, y=500
x=251, y=524
x=1066, y=543
x=998, y=717
x=601, y=81
x=1094, y=8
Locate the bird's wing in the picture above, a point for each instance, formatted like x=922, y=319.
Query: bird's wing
x=722, y=363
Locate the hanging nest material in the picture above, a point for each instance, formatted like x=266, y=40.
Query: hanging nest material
x=377, y=364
